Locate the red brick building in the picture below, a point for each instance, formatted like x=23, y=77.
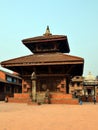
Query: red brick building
x=9, y=84
x=53, y=68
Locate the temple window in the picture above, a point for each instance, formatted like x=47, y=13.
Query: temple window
x=24, y=86
x=62, y=85
x=44, y=47
x=72, y=84
x=78, y=84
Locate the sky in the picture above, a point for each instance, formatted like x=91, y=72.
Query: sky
x=78, y=19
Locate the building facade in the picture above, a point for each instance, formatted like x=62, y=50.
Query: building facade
x=90, y=84
x=76, y=86
x=51, y=63
x=85, y=87
x=9, y=84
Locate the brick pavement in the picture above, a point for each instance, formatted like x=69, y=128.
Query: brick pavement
x=15, y=116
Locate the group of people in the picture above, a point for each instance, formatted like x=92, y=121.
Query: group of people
x=80, y=100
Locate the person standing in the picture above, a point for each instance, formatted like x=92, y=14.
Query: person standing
x=94, y=100
x=47, y=96
x=80, y=100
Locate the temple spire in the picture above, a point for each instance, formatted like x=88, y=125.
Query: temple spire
x=47, y=33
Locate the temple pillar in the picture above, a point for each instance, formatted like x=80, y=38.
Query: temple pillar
x=67, y=84
x=33, y=78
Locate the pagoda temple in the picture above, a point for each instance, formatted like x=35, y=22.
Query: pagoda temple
x=49, y=61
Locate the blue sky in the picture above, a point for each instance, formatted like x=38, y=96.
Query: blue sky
x=78, y=19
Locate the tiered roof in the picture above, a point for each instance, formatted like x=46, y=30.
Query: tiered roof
x=43, y=59
x=47, y=39
x=42, y=55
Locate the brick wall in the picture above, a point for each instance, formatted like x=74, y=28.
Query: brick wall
x=2, y=75
x=64, y=101
x=62, y=98
x=21, y=95
x=61, y=95
x=20, y=98
x=56, y=98
x=26, y=86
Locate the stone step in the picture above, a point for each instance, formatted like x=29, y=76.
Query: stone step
x=18, y=100
x=61, y=95
x=64, y=101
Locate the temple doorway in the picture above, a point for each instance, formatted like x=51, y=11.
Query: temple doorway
x=54, y=84
x=90, y=92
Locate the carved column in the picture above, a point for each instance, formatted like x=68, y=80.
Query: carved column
x=33, y=78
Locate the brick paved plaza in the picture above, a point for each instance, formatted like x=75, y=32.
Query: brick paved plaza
x=15, y=116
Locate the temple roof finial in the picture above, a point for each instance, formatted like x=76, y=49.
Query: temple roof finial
x=47, y=33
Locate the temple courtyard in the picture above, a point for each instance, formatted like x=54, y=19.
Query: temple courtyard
x=15, y=116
